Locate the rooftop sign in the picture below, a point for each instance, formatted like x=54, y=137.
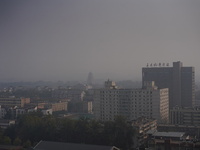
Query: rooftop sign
x=158, y=65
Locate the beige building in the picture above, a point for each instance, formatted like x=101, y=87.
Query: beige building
x=59, y=106
x=148, y=102
x=87, y=107
x=12, y=101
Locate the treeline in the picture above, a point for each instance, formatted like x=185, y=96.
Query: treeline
x=31, y=93
x=34, y=127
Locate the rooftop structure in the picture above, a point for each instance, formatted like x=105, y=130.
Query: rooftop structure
x=178, y=135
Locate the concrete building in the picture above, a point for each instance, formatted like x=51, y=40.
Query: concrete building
x=80, y=107
x=60, y=106
x=142, y=126
x=185, y=116
x=25, y=110
x=180, y=81
x=149, y=102
x=12, y=101
x=6, y=123
x=177, y=136
x=47, y=111
x=55, y=106
x=72, y=94
x=87, y=107
x=193, y=131
x=2, y=112
x=162, y=144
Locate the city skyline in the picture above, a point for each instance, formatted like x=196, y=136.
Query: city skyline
x=65, y=40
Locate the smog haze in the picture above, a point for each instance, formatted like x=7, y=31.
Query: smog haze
x=67, y=39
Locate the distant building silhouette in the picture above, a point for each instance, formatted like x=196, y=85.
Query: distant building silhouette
x=180, y=81
x=90, y=79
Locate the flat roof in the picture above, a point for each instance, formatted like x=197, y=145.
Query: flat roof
x=47, y=145
x=169, y=134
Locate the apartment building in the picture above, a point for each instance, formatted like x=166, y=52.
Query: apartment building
x=148, y=101
x=12, y=101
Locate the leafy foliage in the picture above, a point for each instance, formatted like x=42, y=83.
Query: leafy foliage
x=33, y=128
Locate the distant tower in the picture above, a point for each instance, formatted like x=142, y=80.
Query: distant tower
x=90, y=79
x=180, y=81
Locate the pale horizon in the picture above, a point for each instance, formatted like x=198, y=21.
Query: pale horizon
x=65, y=40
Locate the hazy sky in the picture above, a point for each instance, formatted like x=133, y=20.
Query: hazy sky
x=67, y=39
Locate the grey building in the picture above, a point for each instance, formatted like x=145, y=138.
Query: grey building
x=142, y=127
x=180, y=81
x=185, y=116
x=148, y=102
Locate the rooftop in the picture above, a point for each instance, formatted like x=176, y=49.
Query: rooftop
x=169, y=134
x=47, y=145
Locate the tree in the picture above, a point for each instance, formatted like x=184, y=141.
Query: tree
x=17, y=141
x=6, y=140
x=27, y=144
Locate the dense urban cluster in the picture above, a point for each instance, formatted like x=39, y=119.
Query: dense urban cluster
x=163, y=113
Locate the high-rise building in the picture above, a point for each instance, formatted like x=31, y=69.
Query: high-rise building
x=180, y=81
x=148, y=102
x=90, y=79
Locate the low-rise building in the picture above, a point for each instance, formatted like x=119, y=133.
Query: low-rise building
x=189, y=130
x=12, y=101
x=80, y=107
x=47, y=111
x=6, y=123
x=24, y=110
x=162, y=144
x=185, y=116
x=47, y=145
x=72, y=94
x=176, y=136
x=55, y=106
x=59, y=106
x=142, y=126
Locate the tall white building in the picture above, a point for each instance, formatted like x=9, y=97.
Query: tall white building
x=147, y=102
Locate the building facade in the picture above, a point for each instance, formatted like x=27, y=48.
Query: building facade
x=11, y=102
x=142, y=126
x=56, y=106
x=185, y=116
x=180, y=81
x=149, y=102
x=2, y=112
